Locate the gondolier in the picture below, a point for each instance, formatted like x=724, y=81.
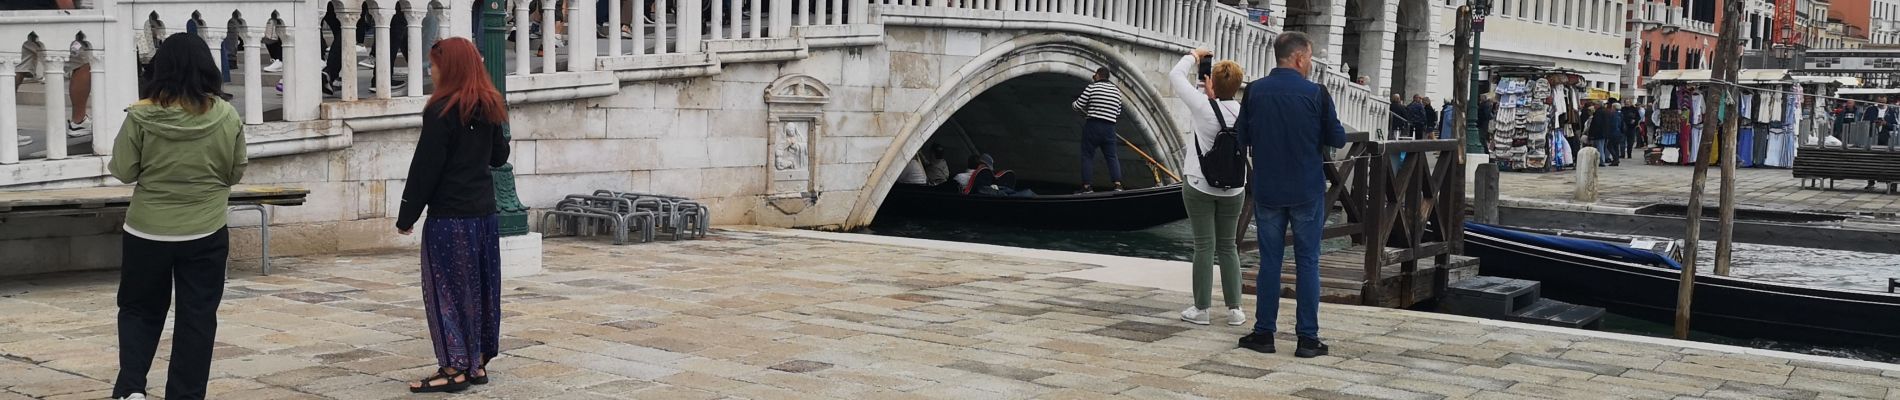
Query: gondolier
x=1101, y=102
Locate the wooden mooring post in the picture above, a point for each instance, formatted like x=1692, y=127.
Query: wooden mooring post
x=1486, y=195
x=1721, y=96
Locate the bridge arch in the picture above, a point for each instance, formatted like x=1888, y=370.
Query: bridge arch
x=1042, y=53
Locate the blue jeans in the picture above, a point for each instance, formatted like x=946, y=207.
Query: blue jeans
x=1308, y=221
x=1603, y=151
x=1099, y=135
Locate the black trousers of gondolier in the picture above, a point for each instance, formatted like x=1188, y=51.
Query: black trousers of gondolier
x=147, y=276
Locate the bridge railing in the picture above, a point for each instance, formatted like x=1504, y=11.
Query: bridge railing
x=1184, y=24
x=59, y=36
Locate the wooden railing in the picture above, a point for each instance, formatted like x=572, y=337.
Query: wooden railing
x=1404, y=197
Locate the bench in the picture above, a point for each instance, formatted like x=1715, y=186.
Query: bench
x=1821, y=166
x=1859, y=156
x=116, y=199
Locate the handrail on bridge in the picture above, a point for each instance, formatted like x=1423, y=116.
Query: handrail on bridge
x=275, y=59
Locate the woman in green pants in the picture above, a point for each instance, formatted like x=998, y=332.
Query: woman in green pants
x=1213, y=212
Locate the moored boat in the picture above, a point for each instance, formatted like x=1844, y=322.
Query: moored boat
x=1630, y=283
x=1131, y=209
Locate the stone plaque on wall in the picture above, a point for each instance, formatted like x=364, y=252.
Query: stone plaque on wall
x=795, y=120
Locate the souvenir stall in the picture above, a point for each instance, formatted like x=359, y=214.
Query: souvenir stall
x=1679, y=109
x=1525, y=135
x=1769, y=112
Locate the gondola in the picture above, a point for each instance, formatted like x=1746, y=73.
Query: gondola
x=1629, y=283
x=1127, y=210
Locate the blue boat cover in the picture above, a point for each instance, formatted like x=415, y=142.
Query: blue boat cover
x=1573, y=245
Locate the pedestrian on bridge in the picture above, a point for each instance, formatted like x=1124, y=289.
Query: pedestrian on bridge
x=1101, y=102
x=1289, y=123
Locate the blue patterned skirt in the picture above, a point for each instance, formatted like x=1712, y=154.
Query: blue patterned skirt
x=461, y=289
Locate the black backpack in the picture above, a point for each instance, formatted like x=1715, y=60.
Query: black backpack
x=1225, y=166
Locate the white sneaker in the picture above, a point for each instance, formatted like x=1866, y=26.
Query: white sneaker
x=370, y=64
x=1194, y=315
x=134, y=396
x=1236, y=317
x=275, y=66
x=81, y=129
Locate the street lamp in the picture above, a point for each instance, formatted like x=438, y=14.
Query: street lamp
x=1474, y=134
x=513, y=216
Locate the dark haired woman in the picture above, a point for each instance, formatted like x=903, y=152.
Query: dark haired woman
x=461, y=251
x=182, y=147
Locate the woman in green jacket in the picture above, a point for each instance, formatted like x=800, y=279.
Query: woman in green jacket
x=182, y=147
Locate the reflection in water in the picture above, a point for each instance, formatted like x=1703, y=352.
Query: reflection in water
x=1174, y=241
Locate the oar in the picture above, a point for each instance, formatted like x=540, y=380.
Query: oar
x=1151, y=160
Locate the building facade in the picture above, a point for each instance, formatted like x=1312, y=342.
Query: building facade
x=1583, y=35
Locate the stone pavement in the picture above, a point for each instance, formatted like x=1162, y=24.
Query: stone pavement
x=1634, y=184
x=757, y=315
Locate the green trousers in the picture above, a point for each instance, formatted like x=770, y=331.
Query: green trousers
x=1213, y=219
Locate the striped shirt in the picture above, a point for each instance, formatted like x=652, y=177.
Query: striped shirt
x=1101, y=100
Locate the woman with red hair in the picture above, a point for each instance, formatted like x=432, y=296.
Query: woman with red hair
x=461, y=248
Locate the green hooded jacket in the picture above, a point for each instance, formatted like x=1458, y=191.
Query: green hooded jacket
x=183, y=164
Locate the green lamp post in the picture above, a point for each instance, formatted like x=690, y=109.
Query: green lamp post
x=1474, y=134
x=493, y=44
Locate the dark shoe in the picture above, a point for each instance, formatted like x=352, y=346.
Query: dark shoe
x=1261, y=342
x=451, y=382
x=1309, y=348
x=480, y=376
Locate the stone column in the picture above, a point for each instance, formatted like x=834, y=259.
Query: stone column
x=101, y=138
x=417, y=75
x=550, y=32
x=9, y=112
x=53, y=64
x=384, y=65
x=581, y=35
x=346, y=48
x=614, y=22
x=524, y=51
x=253, y=75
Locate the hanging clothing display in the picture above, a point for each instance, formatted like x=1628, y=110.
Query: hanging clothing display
x=1781, y=143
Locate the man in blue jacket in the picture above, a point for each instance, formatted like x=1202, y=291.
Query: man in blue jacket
x=1289, y=124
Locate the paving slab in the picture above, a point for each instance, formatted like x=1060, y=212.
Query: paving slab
x=762, y=313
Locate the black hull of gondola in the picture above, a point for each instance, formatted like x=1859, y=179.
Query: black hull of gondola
x=1127, y=210
x=1730, y=307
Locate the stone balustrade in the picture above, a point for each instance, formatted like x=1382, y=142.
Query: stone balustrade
x=568, y=57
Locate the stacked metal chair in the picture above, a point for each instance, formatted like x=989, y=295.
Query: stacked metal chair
x=623, y=214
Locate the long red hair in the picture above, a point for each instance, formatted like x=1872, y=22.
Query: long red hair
x=462, y=85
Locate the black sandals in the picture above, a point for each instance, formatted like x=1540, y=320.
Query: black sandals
x=454, y=382
x=481, y=380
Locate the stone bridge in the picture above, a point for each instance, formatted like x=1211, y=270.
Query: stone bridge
x=793, y=113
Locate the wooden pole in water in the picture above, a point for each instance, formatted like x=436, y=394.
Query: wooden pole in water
x=1719, y=96
x=1151, y=160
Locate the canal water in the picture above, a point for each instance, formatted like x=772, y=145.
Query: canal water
x=1174, y=241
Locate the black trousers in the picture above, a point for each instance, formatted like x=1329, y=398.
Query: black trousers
x=333, y=57
x=146, y=278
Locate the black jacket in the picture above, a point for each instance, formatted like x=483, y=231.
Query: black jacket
x=449, y=174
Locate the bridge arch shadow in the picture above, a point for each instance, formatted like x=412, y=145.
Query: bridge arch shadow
x=1045, y=57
